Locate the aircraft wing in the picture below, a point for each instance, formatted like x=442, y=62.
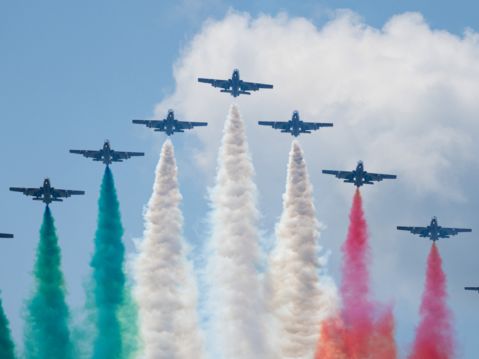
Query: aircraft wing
x=225, y=84
x=453, y=231
x=315, y=125
x=476, y=289
x=157, y=124
x=278, y=125
x=65, y=192
x=182, y=125
x=422, y=231
x=253, y=86
x=121, y=155
x=35, y=192
x=91, y=154
x=347, y=175
x=368, y=177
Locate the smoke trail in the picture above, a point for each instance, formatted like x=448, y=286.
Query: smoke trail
x=298, y=301
x=166, y=292
x=47, y=334
x=236, y=298
x=434, y=336
x=7, y=348
x=108, y=277
x=363, y=329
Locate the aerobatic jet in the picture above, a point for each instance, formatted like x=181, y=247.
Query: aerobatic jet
x=6, y=235
x=169, y=125
x=359, y=176
x=47, y=193
x=475, y=289
x=295, y=126
x=235, y=86
x=106, y=154
x=434, y=231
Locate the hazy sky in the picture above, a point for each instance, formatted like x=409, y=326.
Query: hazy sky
x=399, y=86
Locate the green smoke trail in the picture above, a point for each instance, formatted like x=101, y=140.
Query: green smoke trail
x=112, y=303
x=7, y=348
x=47, y=335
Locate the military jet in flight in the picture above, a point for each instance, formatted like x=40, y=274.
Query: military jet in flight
x=106, y=154
x=295, y=126
x=434, y=231
x=235, y=86
x=47, y=193
x=475, y=289
x=6, y=235
x=359, y=176
x=169, y=125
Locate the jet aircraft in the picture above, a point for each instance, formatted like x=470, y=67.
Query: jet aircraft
x=295, y=126
x=235, y=86
x=47, y=193
x=169, y=125
x=434, y=231
x=6, y=235
x=359, y=176
x=106, y=154
x=476, y=289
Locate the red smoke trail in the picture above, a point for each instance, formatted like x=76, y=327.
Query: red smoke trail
x=362, y=330
x=434, y=336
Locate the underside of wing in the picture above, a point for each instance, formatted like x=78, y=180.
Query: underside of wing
x=422, y=231
x=28, y=191
x=87, y=153
x=121, y=155
x=275, y=124
x=453, y=231
x=315, y=125
x=377, y=176
x=348, y=175
x=216, y=83
x=253, y=86
x=65, y=192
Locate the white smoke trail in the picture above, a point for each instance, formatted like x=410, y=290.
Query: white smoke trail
x=166, y=291
x=236, y=296
x=299, y=301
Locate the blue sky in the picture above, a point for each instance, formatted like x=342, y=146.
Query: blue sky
x=75, y=74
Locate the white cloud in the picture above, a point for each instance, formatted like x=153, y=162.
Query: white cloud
x=402, y=97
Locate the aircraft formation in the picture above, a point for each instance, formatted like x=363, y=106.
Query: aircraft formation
x=295, y=127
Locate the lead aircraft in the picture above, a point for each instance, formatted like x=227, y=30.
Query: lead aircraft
x=47, y=194
x=434, y=231
x=295, y=126
x=6, y=235
x=235, y=86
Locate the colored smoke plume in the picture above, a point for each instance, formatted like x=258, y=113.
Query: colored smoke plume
x=47, y=333
x=363, y=329
x=236, y=299
x=166, y=290
x=109, y=284
x=299, y=301
x=7, y=348
x=434, y=335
